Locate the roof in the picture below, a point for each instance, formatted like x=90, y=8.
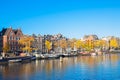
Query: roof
x=5, y=31
x=88, y=36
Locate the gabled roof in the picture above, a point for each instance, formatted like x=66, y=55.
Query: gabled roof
x=15, y=31
x=6, y=31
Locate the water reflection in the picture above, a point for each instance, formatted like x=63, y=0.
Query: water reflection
x=97, y=67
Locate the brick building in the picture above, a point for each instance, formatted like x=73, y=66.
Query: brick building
x=10, y=37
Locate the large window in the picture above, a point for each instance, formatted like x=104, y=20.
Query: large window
x=10, y=38
x=17, y=38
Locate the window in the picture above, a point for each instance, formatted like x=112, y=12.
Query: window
x=11, y=33
x=17, y=38
x=13, y=38
x=16, y=43
x=10, y=38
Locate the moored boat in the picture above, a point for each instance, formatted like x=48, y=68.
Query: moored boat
x=84, y=54
x=53, y=56
x=18, y=59
x=26, y=59
x=93, y=54
x=33, y=57
x=3, y=61
x=15, y=60
x=38, y=56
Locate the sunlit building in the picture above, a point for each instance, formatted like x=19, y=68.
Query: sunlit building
x=10, y=37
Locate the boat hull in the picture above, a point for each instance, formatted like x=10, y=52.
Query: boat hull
x=17, y=59
x=3, y=61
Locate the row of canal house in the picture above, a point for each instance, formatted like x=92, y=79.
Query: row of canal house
x=39, y=42
x=10, y=37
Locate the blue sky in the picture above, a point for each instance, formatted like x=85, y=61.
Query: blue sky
x=72, y=18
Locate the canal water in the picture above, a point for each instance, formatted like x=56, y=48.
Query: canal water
x=105, y=67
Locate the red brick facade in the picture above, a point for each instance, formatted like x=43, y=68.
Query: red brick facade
x=11, y=37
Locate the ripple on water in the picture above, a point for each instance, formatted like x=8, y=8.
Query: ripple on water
x=77, y=68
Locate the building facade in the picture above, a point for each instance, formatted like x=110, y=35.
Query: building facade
x=37, y=42
x=90, y=37
x=10, y=37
